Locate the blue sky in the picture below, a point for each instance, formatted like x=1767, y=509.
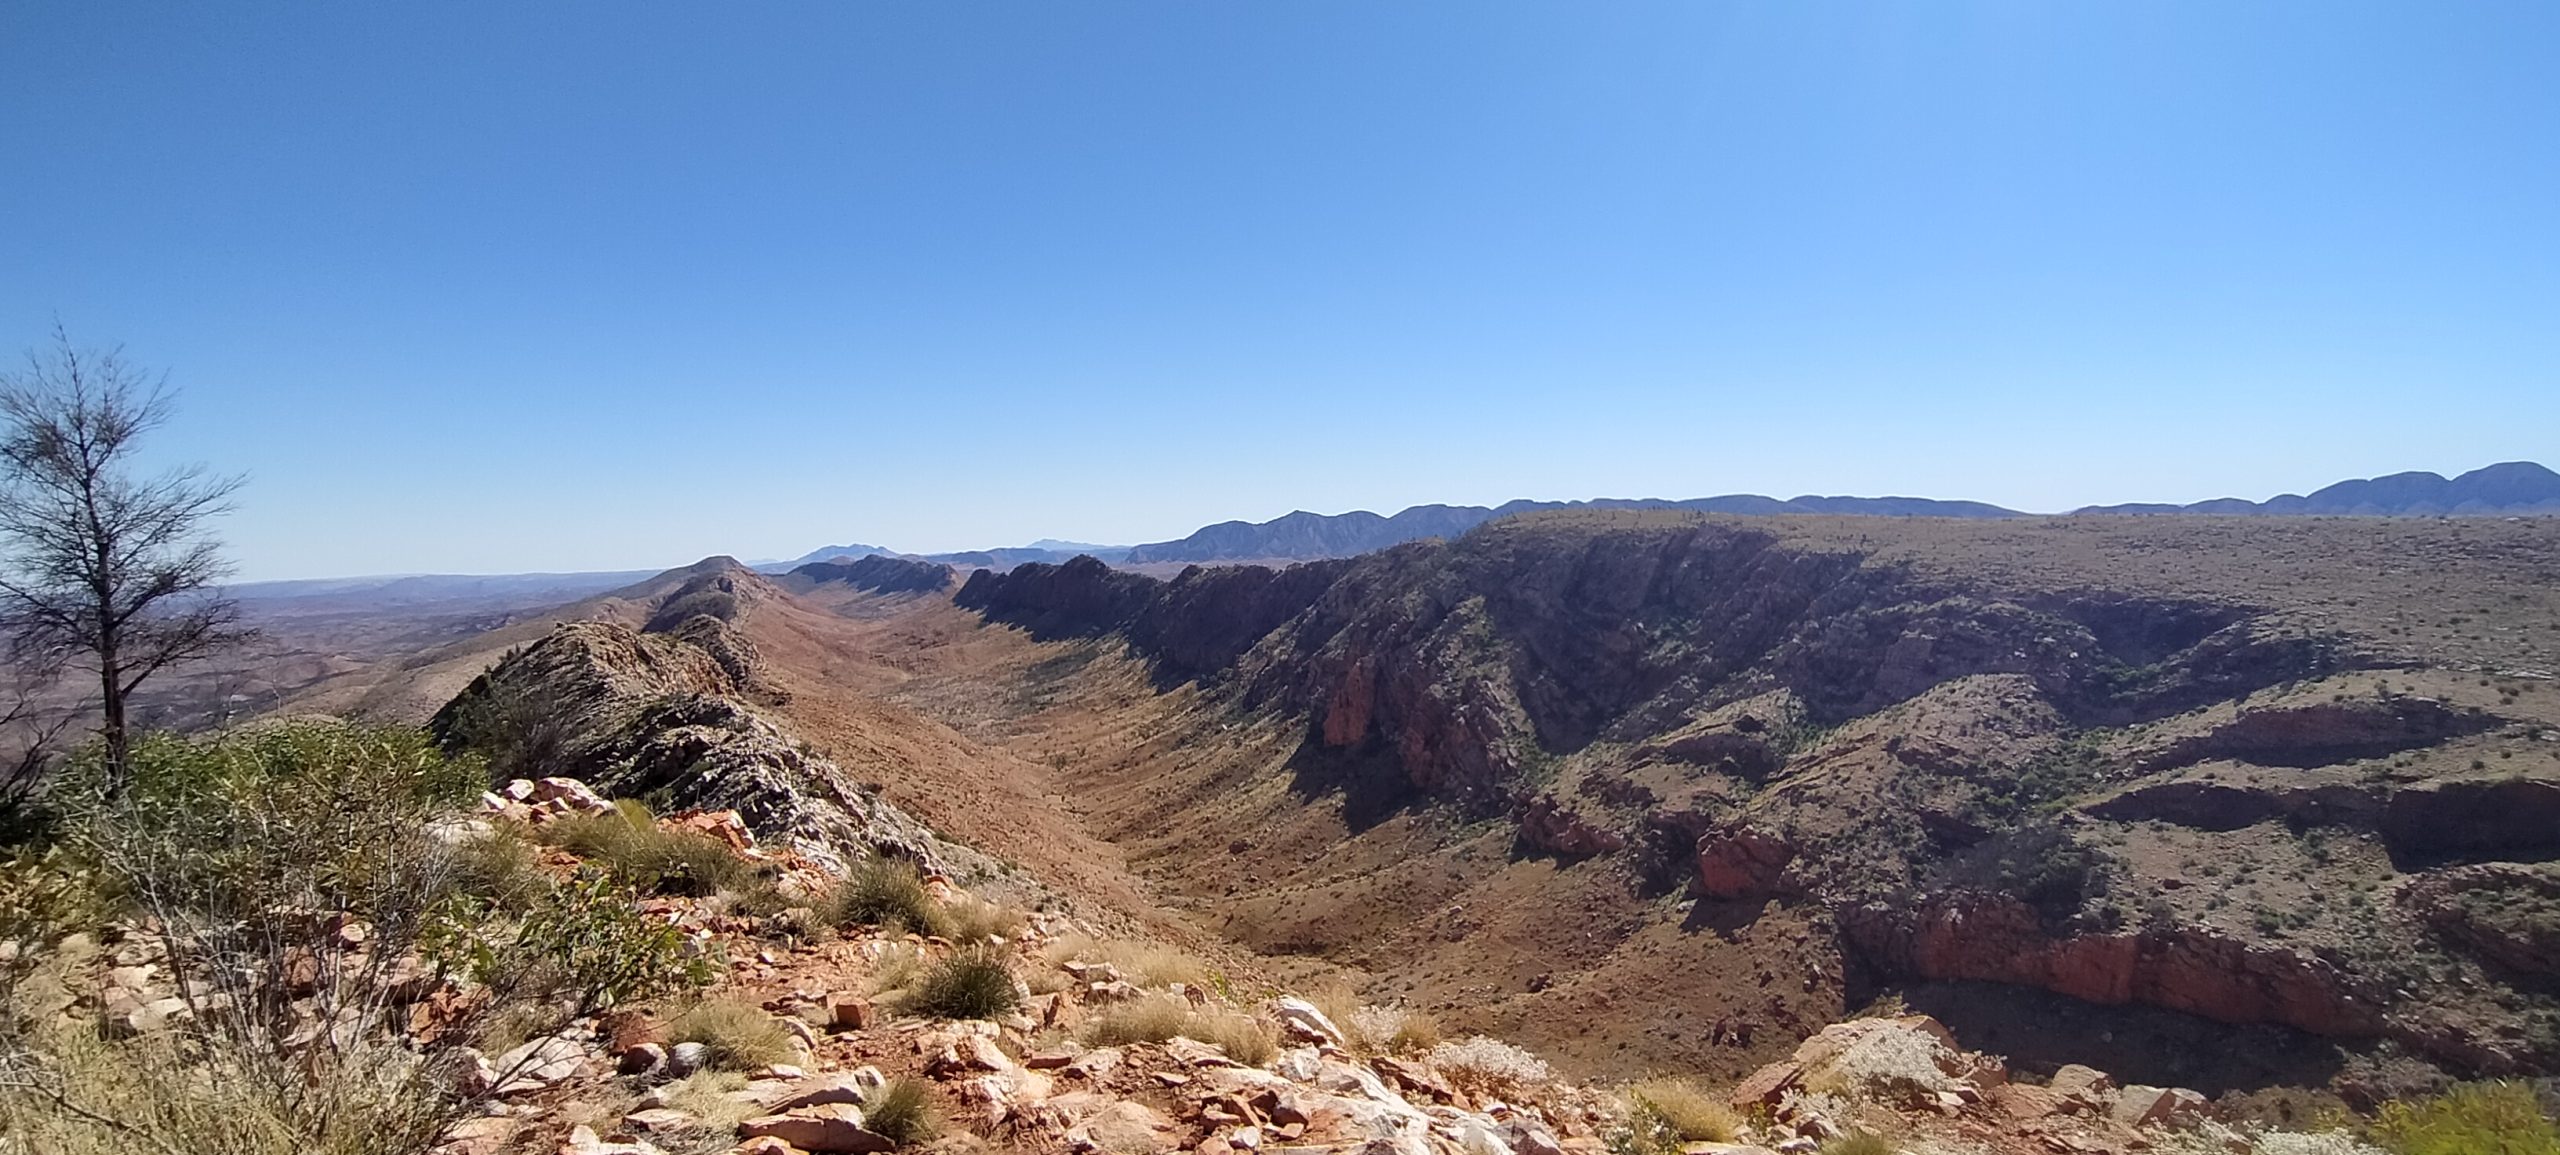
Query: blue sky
x=504, y=287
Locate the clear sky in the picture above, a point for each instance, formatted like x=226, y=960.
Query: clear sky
x=507, y=286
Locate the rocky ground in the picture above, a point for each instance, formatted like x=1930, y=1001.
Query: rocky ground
x=1071, y=1064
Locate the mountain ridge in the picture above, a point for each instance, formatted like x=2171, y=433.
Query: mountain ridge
x=2507, y=488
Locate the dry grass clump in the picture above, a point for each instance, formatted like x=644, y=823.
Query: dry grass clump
x=1244, y=1038
x=1156, y=1018
x=1389, y=1031
x=897, y=968
x=1859, y=1143
x=741, y=1037
x=887, y=893
x=973, y=983
x=500, y=868
x=628, y=842
x=902, y=1112
x=1146, y=964
x=710, y=1097
x=1152, y=1019
x=91, y=1096
x=1478, y=1061
x=1690, y=1112
x=970, y=920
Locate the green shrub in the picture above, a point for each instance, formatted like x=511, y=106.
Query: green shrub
x=902, y=1112
x=742, y=1037
x=584, y=945
x=2499, y=1118
x=973, y=983
x=500, y=869
x=885, y=892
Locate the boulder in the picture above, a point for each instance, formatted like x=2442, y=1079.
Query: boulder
x=1302, y=1020
x=1743, y=862
x=827, y=1129
x=1124, y=1128
x=844, y=1087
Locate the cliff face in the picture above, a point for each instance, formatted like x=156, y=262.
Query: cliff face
x=1976, y=772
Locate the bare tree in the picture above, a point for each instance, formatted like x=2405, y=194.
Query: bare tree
x=101, y=567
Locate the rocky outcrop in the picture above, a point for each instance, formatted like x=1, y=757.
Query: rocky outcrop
x=639, y=714
x=2475, y=818
x=2316, y=733
x=880, y=574
x=2192, y=969
x=1193, y=626
x=1741, y=861
x=2210, y=804
x=1549, y=826
x=2504, y=914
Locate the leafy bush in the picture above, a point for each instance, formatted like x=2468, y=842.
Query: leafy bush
x=741, y=1037
x=973, y=983
x=309, y=850
x=1691, y=1113
x=885, y=892
x=584, y=945
x=237, y=855
x=2498, y=1118
x=902, y=1112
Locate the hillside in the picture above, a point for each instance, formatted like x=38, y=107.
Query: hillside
x=2263, y=806
x=1648, y=788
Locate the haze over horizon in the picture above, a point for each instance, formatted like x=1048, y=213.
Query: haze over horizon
x=489, y=289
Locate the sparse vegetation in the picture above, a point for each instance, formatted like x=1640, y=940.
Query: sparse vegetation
x=269, y=844
x=629, y=843
x=2496, y=1118
x=1159, y=1017
x=1143, y=963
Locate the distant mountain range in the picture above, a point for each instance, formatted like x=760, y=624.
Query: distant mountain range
x=1304, y=535
x=2514, y=488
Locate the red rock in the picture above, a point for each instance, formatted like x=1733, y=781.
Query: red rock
x=1742, y=861
x=831, y=1129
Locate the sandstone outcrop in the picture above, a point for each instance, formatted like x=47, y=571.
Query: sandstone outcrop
x=2191, y=969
